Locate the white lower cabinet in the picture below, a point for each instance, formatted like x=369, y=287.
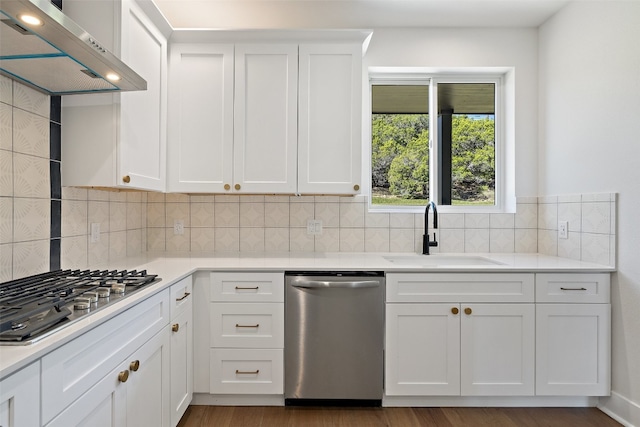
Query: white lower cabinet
x=181, y=348
x=573, y=335
x=478, y=341
x=460, y=349
x=19, y=398
x=117, y=374
x=246, y=333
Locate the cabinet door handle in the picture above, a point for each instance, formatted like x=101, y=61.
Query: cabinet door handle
x=175, y=327
x=256, y=372
x=244, y=288
x=455, y=310
x=186, y=294
x=227, y=187
x=237, y=186
x=123, y=376
x=126, y=179
x=573, y=289
x=356, y=187
x=257, y=325
x=135, y=365
x=467, y=310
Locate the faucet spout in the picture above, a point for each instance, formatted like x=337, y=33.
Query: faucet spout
x=426, y=242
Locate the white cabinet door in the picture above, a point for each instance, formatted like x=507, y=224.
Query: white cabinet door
x=330, y=119
x=573, y=345
x=118, y=140
x=148, y=388
x=422, y=354
x=497, y=349
x=20, y=398
x=200, y=144
x=181, y=348
x=265, y=118
x=142, y=145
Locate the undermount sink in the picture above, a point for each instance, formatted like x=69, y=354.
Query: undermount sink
x=441, y=260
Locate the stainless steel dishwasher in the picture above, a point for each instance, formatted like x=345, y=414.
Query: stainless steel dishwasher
x=334, y=338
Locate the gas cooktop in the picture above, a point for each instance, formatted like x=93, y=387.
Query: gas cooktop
x=37, y=306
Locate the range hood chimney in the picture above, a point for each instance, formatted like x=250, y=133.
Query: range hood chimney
x=57, y=56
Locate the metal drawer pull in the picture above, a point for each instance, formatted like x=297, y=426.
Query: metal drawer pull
x=241, y=288
x=186, y=294
x=573, y=289
x=256, y=372
x=123, y=376
x=175, y=327
x=257, y=325
x=455, y=310
x=467, y=311
x=135, y=365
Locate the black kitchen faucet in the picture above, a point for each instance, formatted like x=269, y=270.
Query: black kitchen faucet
x=426, y=242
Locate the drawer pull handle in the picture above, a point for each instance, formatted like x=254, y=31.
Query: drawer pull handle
x=241, y=288
x=123, y=376
x=135, y=365
x=573, y=289
x=175, y=327
x=467, y=310
x=455, y=310
x=257, y=325
x=186, y=294
x=256, y=372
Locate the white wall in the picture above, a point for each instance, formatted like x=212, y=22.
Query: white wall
x=589, y=128
x=476, y=47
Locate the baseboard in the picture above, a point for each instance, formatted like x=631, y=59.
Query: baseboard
x=237, y=399
x=496, y=401
x=621, y=409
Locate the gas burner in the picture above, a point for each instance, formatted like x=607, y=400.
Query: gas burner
x=37, y=306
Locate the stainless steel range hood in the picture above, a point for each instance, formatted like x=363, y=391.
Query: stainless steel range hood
x=57, y=56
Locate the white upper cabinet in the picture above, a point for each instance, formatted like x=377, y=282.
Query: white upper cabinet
x=119, y=140
x=233, y=110
x=330, y=119
x=276, y=116
x=200, y=117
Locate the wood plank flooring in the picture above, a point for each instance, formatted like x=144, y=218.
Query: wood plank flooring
x=257, y=416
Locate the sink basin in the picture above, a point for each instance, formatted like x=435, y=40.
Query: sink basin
x=441, y=260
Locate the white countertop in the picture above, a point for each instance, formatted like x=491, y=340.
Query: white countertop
x=171, y=267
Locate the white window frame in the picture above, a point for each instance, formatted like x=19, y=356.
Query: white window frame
x=432, y=77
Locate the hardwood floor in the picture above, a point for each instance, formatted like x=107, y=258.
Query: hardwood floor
x=250, y=416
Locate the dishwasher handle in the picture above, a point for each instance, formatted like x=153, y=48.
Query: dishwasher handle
x=321, y=284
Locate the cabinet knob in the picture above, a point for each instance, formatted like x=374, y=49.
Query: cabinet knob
x=356, y=187
x=237, y=186
x=175, y=327
x=467, y=310
x=227, y=187
x=123, y=376
x=126, y=179
x=135, y=365
x=455, y=310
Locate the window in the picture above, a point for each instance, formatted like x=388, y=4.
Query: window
x=435, y=137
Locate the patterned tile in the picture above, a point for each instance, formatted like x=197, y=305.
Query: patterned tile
x=30, y=134
x=31, y=220
x=117, y=245
x=548, y=216
x=595, y=248
x=6, y=262
x=376, y=220
x=117, y=217
x=75, y=193
x=526, y=216
x=74, y=252
x=251, y=215
x=506, y=220
x=252, y=239
x=276, y=239
x=6, y=220
x=178, y=242
x=6, y=127
x=476, y=240
x=6, y=173
x=98, y=212
x=134, y=215
x=526, y=240
x=31, y=100
x=276, y=215
x=202, y=239
x=328, y=213
x=451, y=220
x=351, y=215
x=476, y=221
x=596, y=217
x=227, y=239
x=401, y=240
x=156, y=214
x=98, y=252
x=502, y=240
x=202, y=214
x=299, y=213
x=401, y=220
x=548, y=242
x=328, y=241
x=30, y=258
x=74, y=218
x=226, y=215
x=156, y=239
x=300, y=241
x=376, y=240
x=571, y=247
x=31, y=176
x=134, y=242
x=352, y=239
x=6, y=90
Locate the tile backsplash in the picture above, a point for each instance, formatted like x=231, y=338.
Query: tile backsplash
x=129, y=223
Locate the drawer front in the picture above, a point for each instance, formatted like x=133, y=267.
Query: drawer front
x=181, y=296
x=460, y=287
x=248, y=287
x=69, y=371
x=573, y=288
x=235, y=371
x=237, y=325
